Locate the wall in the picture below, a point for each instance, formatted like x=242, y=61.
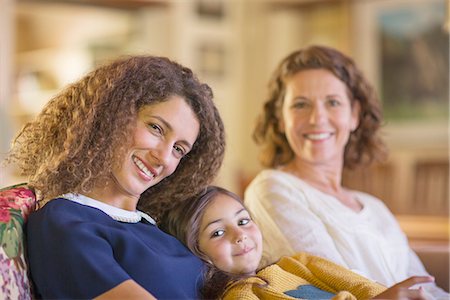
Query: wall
x=234, y=47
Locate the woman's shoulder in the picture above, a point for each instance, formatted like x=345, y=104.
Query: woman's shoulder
x=276, y=181
x=60, y=211
x=275, y=178
x=64, y=223
x=274, y=186
x=59, y=204
x=374, y=207
x=369, y=199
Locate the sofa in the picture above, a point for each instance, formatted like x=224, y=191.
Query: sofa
x=16, y=203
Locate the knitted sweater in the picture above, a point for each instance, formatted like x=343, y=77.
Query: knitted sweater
x=304, y=276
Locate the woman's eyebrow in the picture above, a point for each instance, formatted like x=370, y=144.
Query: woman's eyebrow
x=170, y=128
x=333, y=95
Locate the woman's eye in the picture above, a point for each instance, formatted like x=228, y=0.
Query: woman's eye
x=217, y=233
x=244, y=222
x=333, y=102
x=155, y=128
x=300, y=104
x=179, y=150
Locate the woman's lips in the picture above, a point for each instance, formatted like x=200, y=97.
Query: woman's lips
x=145, y=169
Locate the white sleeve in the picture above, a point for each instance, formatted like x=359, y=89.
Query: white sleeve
x=287, y=223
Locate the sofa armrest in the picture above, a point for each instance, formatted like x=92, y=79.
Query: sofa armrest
x=16, y=203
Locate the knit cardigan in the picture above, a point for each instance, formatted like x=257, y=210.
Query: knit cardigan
x=304, y=276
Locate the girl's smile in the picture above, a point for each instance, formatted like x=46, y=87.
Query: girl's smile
x=228, y=236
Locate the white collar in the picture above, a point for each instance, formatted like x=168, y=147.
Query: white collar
x=116, y=213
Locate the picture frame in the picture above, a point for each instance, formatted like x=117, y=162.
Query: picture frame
x=403, y=47
x=211, y=9
x=211, y=59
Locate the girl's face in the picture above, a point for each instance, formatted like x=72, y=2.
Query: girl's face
x=317, y=116
x=164, y=133
x=228, y=236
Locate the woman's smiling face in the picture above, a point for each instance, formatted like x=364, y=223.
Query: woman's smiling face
x=317, y=116
x=164, y=133
x=229, y=237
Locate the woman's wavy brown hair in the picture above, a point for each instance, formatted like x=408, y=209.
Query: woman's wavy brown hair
x=184, y=223
x=364, y=145
x=82, y=133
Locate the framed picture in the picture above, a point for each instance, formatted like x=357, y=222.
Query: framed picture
x=211, y=59
x=212, y=9
x=404, y=46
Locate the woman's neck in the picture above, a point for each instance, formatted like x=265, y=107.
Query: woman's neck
x=325, y=178
x=110, y=195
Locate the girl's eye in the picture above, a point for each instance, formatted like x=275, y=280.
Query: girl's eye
x=217, y=233
x=243, y=222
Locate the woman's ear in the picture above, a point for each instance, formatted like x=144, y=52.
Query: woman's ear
x=279, y=116
x=281, y=125
x=356, y=109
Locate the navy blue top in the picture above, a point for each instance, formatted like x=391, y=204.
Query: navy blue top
x=79, y=252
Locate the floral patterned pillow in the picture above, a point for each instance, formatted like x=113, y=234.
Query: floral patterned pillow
x=16, y=203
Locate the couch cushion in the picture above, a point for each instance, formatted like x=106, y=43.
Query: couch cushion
x=16, y=203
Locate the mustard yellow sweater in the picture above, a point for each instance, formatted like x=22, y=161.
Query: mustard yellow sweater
x=304, y=276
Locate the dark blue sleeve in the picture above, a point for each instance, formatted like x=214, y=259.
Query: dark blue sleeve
x=67, y=248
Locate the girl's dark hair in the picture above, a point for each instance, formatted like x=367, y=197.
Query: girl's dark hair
x=184, y=222
x=364, y=145
x=72, y=144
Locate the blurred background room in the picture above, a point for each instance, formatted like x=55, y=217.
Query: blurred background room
x=401, y=45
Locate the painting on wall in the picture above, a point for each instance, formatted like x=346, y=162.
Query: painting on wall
x=211, y=59
x=414, y=58
x=406, y=50
x=213, y=9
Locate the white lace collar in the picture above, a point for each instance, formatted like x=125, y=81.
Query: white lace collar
x=116, y=213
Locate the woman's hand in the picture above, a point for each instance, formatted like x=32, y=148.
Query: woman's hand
x=402, y=291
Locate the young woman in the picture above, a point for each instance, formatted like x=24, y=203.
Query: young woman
x=141, y=132
x=217, y=228
x=320, y=117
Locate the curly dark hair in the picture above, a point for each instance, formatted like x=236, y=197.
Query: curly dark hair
x=364, y=145
x=72, y=144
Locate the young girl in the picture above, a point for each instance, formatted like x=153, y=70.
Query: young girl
x=222, y=233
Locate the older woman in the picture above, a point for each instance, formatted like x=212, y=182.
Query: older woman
x=322, y=116
x=139, y=132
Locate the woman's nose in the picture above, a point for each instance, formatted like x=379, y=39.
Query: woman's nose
x=317, y=114
x=163, y=153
